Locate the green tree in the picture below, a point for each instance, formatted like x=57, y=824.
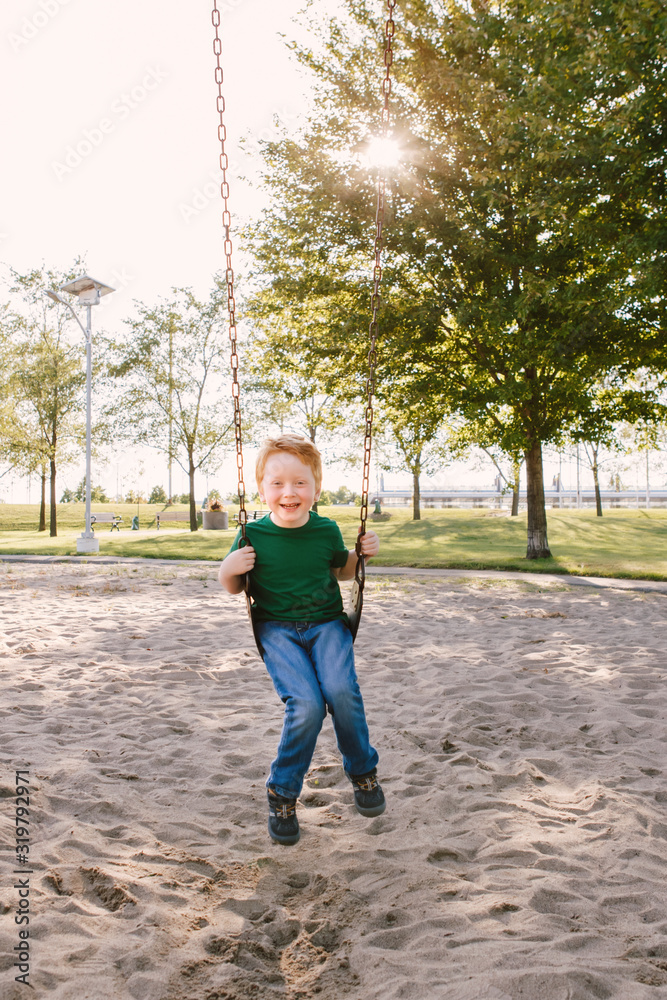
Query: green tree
x=414, y=427
x=609, y=415
x=510, y=476
x=97, y=494
x=158, y=495
x=344, y=495
x=170, y=369
x=45, y=381
x=633, y=59
x=643, y=439
x=287, y=379
x=136, y=496
x=22, y=444
x=523, y=284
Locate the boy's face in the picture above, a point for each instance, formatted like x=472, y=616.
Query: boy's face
x=288, y=487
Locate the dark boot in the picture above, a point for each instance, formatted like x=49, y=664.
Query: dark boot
x=283, y=824
x=368, y=794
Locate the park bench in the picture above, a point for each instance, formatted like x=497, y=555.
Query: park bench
x=106, y=517
x=174, y=515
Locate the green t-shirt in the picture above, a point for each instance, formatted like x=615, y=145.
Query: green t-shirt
x=292, y=579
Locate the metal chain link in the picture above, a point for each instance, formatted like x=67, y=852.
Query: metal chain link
x=229, y=273
x=375, y=296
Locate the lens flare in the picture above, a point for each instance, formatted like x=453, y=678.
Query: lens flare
x=383, y=152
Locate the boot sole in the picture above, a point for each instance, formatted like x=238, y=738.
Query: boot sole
x=373, y=811
x=285, y=841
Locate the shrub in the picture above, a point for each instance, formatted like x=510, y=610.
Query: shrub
x=158, y=495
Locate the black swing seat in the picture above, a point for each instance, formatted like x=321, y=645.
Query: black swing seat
x=246, y=589
x=356, y=602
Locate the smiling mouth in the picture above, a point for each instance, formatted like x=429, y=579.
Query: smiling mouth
x=290, y=506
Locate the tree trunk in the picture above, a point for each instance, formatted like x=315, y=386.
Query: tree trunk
x=42, y=502
x=596, y=480
x=53, y=527
x=538, y=545
x=171, y=405
x=193, y=508
x=516, y=470
x=416, y=494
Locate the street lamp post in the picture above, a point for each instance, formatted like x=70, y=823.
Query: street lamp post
x=89, y=292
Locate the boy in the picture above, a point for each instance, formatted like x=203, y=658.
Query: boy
x=295, y=558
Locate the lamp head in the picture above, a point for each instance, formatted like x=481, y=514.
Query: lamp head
x=89, y=290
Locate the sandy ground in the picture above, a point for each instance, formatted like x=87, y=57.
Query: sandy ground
x=523, y=854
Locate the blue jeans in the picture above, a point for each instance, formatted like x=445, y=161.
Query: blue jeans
x=312, y=669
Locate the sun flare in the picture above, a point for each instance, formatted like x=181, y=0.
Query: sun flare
x=383, y=152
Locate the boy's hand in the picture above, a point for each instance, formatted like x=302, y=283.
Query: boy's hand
x=241, y=561
x=234, y=567
x=370, y=544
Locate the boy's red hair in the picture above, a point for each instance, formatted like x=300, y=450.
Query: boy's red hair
x=293, y=444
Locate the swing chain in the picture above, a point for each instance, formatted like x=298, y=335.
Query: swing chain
x=229, y=272
x=375, y=296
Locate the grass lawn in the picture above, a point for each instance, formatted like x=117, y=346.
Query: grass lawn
x=623, y=543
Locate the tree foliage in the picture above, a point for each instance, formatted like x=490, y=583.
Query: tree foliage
x=168, y=371
x=78, y=495
x=158, y=495
x=414, y=427
x=44, y=385
x=521, y=263
x=288, y=380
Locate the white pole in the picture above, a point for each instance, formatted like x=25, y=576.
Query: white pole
x=171, y=417
x=648, y=488
x=88, y=292
x=578, y=488
x=87, y=541
x=89, y=377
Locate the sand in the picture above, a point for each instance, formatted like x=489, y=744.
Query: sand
x=522, y=856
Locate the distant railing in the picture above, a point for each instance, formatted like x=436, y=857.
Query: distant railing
x=500, y=501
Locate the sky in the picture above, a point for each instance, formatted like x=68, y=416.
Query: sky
x=111, y=153
x=111, y=146
x=112, y=128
